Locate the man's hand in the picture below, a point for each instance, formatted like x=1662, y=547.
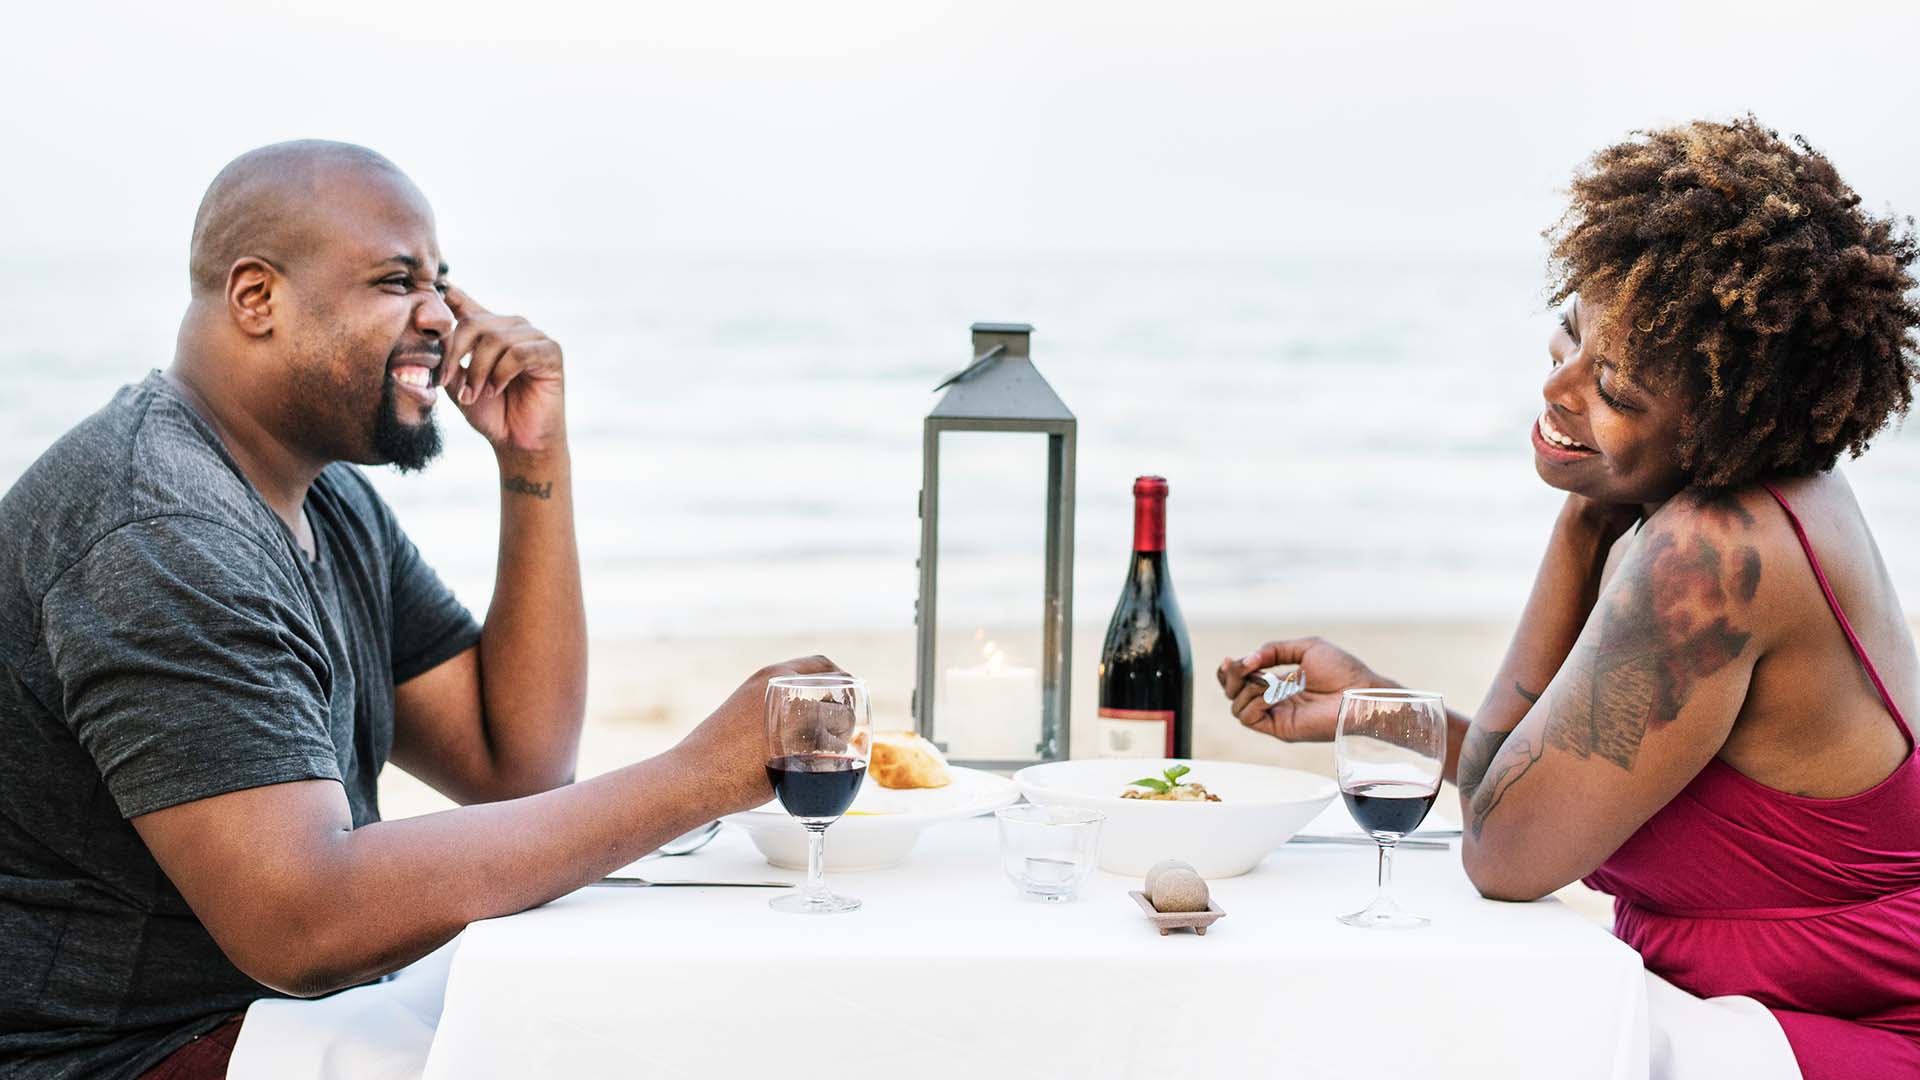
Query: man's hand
x=730, y=746
x=1310, y=715
x=510, y=387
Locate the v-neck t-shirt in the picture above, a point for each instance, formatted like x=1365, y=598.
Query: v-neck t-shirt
x=163, y=639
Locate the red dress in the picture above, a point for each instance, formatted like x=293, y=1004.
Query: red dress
x=1810, y=906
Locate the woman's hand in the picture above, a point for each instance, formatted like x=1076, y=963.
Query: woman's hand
x=1609, y=521
x=1310, y=715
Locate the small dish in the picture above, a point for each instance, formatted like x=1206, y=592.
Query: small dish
x=1169, y=921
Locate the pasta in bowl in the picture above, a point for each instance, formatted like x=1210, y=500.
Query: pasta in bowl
x=1256, y=809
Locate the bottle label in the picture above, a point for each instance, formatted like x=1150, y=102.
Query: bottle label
x=1135, y=733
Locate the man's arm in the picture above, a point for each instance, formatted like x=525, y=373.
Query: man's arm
x=503, y=719
x=303, y=902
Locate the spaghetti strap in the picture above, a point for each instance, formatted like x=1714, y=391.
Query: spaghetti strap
x=1833, y=604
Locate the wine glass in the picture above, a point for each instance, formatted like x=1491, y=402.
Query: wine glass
x=818, y=739
x=1389, y=751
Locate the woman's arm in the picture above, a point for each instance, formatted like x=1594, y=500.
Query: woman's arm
x=1563, y=593
x=1646, y=697
x=1641, y=688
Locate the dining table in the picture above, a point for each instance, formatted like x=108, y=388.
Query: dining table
x=947, y=971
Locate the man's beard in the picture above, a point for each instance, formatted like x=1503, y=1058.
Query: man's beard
x=407, y=447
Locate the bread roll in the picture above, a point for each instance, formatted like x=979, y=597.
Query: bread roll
x=902, y=759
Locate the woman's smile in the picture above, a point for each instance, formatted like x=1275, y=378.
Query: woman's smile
x=1556, y=447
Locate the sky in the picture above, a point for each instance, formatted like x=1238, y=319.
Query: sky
x=692, y=191
x=893, y=127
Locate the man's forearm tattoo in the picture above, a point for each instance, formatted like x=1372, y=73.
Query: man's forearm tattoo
x=1678, y=617
x=1530, y=697
x=520, y=485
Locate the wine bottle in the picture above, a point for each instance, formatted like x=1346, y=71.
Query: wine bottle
x=1146, y=665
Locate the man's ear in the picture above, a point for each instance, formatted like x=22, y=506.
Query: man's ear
x=250, y=294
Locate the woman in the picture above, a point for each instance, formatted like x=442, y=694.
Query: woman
x=1717, y=733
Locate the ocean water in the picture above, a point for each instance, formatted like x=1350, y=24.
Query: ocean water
x=1343, y=438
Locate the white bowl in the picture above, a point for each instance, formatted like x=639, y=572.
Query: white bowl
x=882, y=826
x=1260, y=808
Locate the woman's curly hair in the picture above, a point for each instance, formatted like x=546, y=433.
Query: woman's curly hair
x=1741, y=269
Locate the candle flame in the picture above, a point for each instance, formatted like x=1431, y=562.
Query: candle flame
x=993, y=657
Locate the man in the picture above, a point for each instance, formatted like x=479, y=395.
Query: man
x=213, y=635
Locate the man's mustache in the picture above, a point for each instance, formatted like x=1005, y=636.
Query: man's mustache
x=415, y=354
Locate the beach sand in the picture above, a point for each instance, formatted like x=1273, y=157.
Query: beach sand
x=644, y=695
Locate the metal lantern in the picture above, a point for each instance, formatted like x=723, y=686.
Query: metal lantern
x=991, y=686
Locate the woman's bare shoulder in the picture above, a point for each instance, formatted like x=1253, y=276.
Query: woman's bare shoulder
x=1736, y=546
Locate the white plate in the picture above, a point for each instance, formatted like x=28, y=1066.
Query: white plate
x=1260, y=808
x=881, y=827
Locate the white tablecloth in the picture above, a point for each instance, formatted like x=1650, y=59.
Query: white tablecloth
x=948, y=973
x=377, y=1032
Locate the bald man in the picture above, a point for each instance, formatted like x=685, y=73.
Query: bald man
x=213, y=635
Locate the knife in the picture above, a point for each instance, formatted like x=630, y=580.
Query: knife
x=1368, y=841
x=643, y=883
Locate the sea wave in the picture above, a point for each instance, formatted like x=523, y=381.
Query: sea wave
x=1343, y=439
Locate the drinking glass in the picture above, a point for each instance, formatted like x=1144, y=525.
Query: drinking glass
x=1047, y=851
x=1389, y=751
x=818, y=737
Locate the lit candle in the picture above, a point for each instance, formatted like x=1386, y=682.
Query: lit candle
x=991, y=712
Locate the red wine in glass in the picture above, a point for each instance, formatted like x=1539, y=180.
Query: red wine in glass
x=819, y=733
x=1388, y=750
x=818, y=787
x=1389, y=807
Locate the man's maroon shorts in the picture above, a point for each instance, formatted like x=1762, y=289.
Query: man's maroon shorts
x=205, y=1058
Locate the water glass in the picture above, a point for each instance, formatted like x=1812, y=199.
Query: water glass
x=1047, y=851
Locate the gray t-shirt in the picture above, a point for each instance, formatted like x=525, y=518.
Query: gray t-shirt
x=164, y=639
